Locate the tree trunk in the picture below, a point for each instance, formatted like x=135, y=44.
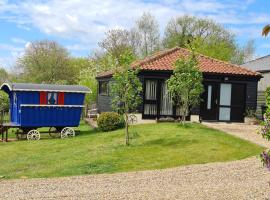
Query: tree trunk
x=126, y=129
x=184, y=116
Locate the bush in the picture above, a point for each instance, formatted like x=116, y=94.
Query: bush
x=109, y=121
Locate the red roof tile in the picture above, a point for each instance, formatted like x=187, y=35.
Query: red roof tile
x=164, y=61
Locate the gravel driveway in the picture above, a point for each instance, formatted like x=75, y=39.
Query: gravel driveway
x=244, y=131
x=245, y=179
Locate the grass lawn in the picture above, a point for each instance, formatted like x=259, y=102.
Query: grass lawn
x=154, y=146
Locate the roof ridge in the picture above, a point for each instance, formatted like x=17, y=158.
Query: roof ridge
x=221, y=61
x=255, y=59
x=154, y=57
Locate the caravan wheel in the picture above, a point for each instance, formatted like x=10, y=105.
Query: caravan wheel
x=67, y=132
x=33, y=135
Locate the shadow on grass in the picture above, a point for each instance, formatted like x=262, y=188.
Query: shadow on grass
x=185, y=126
x=87, y=132
x=171, y=142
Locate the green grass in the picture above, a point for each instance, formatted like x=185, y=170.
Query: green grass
x=153, y=146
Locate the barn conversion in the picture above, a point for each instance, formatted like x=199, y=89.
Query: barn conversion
x=229, y=89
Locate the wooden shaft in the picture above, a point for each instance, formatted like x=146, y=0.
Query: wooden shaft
x=6, y=135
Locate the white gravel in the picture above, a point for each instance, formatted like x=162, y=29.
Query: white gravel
x=244, y=179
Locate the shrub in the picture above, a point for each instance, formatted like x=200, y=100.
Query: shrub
x=109, y=121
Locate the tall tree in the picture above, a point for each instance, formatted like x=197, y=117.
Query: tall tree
x=185, y=85
x=46, y=62
x=3, y=75
x=245, y=53
x=147, y=30
x=116, y=42
x=126, y=90
x=204, y=36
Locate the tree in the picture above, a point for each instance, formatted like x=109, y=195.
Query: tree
x=126, y=89
x=4, y=101
x=46, y=62
x=203, y=36
x=185, y=85
x=116, y=42
x=147, y=31
x=3, y=75
x=245, y=53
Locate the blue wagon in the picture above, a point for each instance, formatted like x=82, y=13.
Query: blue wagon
x=33, y=106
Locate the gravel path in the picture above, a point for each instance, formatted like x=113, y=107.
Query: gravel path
x=244, y=131
x=245, y=179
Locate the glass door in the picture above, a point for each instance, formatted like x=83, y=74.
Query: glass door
x=225, y=102
x=150, y=98
x=166, y=103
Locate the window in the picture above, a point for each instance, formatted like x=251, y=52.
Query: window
x=209, y=97
x=104, y=87
x=52, y=98
x=15, y=98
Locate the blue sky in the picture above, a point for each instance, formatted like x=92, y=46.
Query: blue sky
x=80, y=24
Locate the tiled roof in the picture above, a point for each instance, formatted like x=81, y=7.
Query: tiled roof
x=164, y=61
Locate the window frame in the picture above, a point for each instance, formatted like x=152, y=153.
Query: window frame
x=100, y=88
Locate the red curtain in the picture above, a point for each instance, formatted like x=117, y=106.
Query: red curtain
x=61, y=98
x=43, y=98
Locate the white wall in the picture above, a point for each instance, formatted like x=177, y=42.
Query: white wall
x=264, y=82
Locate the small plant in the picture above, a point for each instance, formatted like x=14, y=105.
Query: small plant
x=265, y=130
x=265, y=157
x=251, y=113
x=109, y=121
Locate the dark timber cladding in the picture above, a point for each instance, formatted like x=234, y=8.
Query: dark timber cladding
x=229, y=89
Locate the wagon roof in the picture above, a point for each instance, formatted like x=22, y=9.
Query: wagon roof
x=45, y=87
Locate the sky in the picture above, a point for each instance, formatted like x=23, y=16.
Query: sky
x=79, y=25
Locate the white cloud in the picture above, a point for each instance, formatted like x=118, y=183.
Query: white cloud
x=88, y=20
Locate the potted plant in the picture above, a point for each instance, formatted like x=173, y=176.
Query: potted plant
x=250, y=117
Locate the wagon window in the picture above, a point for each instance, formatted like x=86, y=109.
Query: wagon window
x=15, y=98
x=52, y=98
x=104, y=87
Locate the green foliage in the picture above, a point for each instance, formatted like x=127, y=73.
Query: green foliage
x=214, y=48
x=109, y=121
x=116, y=42
x=3, y=75
x=185, y=85
x=46, y=62
x=250, y=113
x=4, y=101
x=207, y=37
x=267, y=102
x=265, y=130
